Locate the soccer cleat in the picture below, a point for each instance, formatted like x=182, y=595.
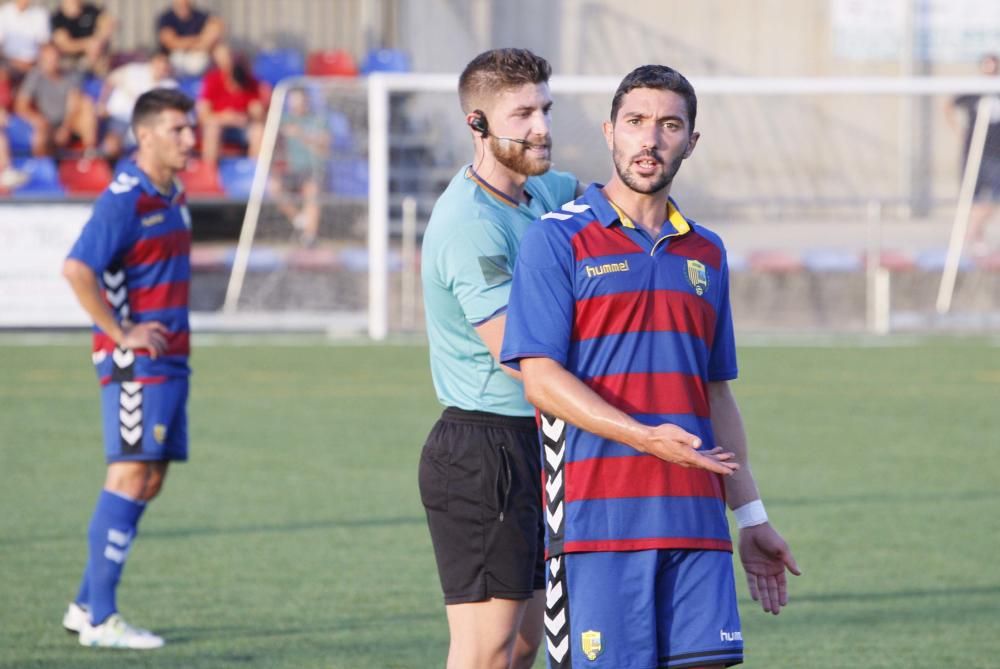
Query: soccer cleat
x=116, y=633
x=75, y=618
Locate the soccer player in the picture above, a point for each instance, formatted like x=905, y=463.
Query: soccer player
x=130, y=270
x=619, y=321
x=479, y=470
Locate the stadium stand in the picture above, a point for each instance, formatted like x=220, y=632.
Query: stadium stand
x=385, y=60
x=43, y=178
x=331, y=63
x=275, y=65
x=84, y=176
x=201, y=179
x=236, y=176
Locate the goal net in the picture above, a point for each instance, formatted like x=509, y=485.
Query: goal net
x=836, y=197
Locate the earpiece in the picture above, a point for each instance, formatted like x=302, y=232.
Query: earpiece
x=479, y=124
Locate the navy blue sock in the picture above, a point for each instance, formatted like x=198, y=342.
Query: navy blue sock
x=112, y=529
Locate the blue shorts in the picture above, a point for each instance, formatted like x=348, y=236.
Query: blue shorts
x=145, y=421
x=650, y=609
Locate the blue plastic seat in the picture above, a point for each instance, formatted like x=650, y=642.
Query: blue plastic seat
x=273, y=66
x=190, y=86
x=43, y=178
x=385, y=60
x=236, y=175
x=19, y=134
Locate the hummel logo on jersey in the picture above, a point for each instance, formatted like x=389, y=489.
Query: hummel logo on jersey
x=123, y=183
x=606, y=268
x=152, y=219
x=730, y=636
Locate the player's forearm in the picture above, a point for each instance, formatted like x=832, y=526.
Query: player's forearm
x=555, y=391
x=84, y=283
x=730, y=434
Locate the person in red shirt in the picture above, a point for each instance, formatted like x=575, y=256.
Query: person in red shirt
x=231, y=106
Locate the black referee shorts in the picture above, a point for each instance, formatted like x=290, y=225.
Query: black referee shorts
x=480, y=483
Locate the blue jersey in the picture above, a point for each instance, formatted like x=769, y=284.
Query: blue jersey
x=646, y=324
x=468, y=255
x=138, y=243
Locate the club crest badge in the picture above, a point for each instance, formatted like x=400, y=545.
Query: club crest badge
x=591, y=642
x=159, y=433
x=697, y=276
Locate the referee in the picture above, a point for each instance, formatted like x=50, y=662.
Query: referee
x=480, y=477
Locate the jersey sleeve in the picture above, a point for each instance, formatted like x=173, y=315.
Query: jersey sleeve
x=476, y=268
x=722, y=358
x=540, y=314
x=106, y=235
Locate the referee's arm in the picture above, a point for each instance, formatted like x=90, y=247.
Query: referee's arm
x=491, y=332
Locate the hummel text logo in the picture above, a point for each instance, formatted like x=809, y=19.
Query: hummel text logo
x=606, y=268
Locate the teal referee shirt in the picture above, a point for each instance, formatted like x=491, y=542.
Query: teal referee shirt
x=468, y=256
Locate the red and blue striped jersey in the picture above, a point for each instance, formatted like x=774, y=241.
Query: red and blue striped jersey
x=647, y=325
x=138, y=243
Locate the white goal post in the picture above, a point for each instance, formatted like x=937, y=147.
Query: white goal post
x=380, y=87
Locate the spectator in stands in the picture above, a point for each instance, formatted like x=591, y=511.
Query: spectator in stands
x=305, y=142
x=188, y=34
x=82, y=33
x=121, y=90
x=24, y=28
x=987, y=192
x=51, y=100
x=9, y=177
x=231, y=106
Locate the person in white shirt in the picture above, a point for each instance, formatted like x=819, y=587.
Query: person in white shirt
x=24, y=28
x=121, y=89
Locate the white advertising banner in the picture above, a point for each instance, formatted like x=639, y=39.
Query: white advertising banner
x=34, y=241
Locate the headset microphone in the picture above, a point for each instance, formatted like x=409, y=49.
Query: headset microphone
x=480, y=125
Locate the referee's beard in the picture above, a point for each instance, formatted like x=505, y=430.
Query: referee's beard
x=529, y=160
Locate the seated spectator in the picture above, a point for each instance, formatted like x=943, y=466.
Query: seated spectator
x=231, y=102
x=82, y=33
x=305, y=147
x=51, y=100
x=121, y=89
x=9, y=177
x=188, y=34
x=24, y=28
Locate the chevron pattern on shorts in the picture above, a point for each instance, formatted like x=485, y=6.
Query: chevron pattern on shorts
x=557, y=616
x=116, y=292
x=130, y=415
x=554, y=447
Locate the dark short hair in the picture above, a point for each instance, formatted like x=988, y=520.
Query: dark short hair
x=497, y=70
x=151, y=103
x=661, y=78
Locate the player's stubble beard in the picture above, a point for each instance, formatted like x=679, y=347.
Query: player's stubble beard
x=515, y=156
x=623, y=166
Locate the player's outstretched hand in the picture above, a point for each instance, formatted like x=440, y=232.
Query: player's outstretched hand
x=150, y=335
x=765, y=556
x=673, y=444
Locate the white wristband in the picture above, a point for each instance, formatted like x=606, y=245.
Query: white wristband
x=750, y=514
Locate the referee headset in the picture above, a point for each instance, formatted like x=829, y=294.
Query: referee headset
x=482, y=126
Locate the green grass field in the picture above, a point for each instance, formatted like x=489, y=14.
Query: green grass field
x=295, y=538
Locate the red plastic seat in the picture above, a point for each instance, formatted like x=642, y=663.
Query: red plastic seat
x=200, y=178
x=83, y=176
x=332, y=63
